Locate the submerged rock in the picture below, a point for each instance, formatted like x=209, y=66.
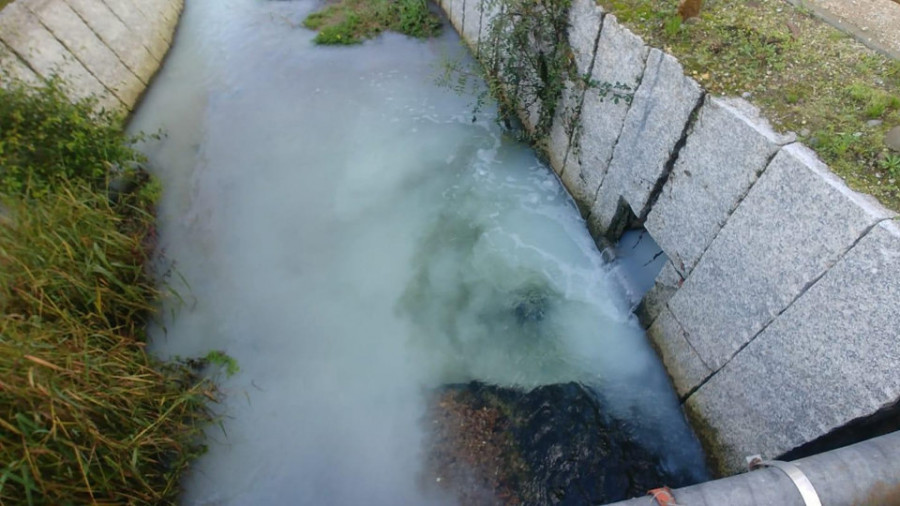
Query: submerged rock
x=553, y=445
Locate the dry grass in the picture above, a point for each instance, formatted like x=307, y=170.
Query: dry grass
x=86, y=416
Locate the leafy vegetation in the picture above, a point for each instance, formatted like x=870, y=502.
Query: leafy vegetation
x=805, y=75
x=46, y=140
x=86, y=416
x=351, y=21
x=515, y=71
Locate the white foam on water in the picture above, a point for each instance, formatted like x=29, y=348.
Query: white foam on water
x=337, y=223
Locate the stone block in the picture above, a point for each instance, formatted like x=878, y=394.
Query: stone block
x=684, y=365
x=490, y=10
x=654, y=125
x=118, y=37
x=24, y=34
x=12, y=68
x=159, y=14
x=565, y=119
x=92, y=52
x=668, y=281
x=472, y=23
x=455, y=11
x=618, y=67
x=585, y=20
x=794, y=224
x=728, y=147
x=829, y=359
x=146, y=31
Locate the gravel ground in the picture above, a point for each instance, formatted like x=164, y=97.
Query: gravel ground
x=874, y=22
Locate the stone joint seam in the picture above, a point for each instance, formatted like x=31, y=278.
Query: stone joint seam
x=110, y=47
x=20, y=58
x=578, y=109
x=612, y=151
x=130, y=29
x=77, y=59
x=670, y=164
x=802, y=292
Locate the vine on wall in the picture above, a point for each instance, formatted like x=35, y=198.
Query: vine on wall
x=527, y=63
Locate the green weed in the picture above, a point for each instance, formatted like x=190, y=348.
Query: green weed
x=86, y=416
x=222, y=359
x=352, y=21
x=891, y=163
x=46, y=139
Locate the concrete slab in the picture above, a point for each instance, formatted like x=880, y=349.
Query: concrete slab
x=144, y=30
x=12, y=68
x=727, y=149
x=684, y=365
x=655, y=123
x=794, y=224
x=92, y=52
x=455, y=9
x=617, y=71
x=156, y=13
x=24, y=34
x=118, y=37
x=472, y=25
x=829, y=359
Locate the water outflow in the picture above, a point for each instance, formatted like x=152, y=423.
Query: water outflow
x=342, y=227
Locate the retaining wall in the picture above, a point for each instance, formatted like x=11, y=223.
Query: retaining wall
x=776, y=315
x=108, y=49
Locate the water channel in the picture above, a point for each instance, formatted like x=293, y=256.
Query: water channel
x=347, y=231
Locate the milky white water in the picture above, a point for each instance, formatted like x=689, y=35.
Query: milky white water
x=337, y=223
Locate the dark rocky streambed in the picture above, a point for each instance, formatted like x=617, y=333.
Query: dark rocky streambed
x=555, y=444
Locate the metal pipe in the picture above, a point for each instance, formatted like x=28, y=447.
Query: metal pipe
x=863, y=474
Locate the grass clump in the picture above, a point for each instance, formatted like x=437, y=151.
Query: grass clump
x=805, y=75
x=352, y=21
x=86, y=416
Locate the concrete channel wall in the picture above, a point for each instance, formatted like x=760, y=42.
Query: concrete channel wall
x=777, y=313
x=108, y=49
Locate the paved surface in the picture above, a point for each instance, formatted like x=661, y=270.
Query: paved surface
x=876, y=23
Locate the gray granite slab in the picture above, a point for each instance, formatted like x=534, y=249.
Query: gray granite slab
x=830, y=358
x=455, y=13
x=653, y=126
x=23, y=33
x=117, y=37
x=148, y=33
x=794, y=224
x=617, y=71
x=92, y=52
x=655, y=123
x=471, y=22
x=12, y=68
x=684, y=365
x=728, y=147
x=585, y=19
x=667, y=282
x=565, y=120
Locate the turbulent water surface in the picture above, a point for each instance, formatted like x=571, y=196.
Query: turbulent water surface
x=340, y=225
